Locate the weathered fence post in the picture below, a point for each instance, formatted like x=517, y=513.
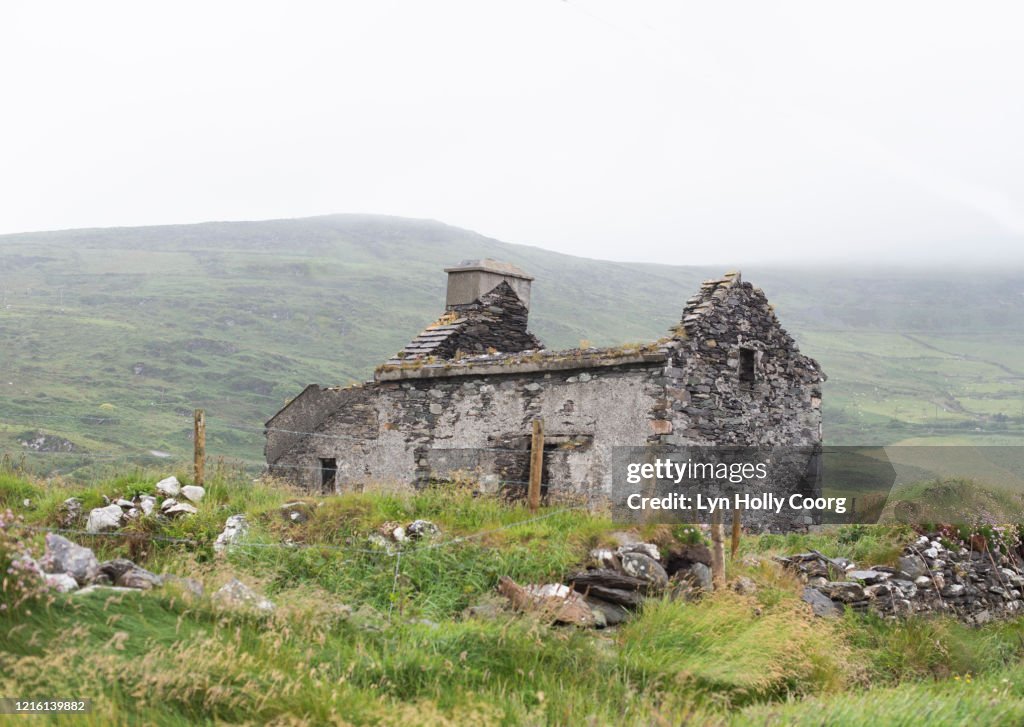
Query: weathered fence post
x=199, y=440
x=737, y=517
x=717, y=550
x=536, y=463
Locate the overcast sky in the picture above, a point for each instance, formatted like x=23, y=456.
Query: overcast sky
x=677, y=132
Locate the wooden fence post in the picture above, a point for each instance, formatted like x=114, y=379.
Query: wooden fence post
x=536, y=463
x=717, y=550
x=737, y=517
x=199, y=440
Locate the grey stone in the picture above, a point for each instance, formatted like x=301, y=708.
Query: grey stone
x=821, y=604
x=648, y=549
x=179, y=509
x=63, y=556
x=612, y=613
x=912, y=566
x=235, y=528
x=169, y=487
x=421, y=529
x=147, y=503
x=193, y=493
x=645, y=568
x=104, y=519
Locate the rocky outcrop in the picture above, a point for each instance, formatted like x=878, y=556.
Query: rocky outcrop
x=236, y=595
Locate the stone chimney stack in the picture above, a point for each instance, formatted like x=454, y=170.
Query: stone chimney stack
x=470, y=279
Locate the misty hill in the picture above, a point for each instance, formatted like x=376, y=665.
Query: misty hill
x=110, y=337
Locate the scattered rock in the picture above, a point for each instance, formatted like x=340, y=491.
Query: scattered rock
x=63, y=556
x=104, y=519
x=123, y=503
x=235, y=528
x=235, y=594
x=421, y=529
x=193, y=493
x=169, y=487
x=869, y=577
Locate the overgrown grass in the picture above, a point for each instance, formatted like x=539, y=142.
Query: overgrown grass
x=356, y=639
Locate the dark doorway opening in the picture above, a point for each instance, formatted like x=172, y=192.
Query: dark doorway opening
x=747, y=365
x=328, y=475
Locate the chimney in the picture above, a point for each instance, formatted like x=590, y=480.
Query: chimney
x=470, y=279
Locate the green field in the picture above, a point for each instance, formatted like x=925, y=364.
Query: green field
x=111, y=337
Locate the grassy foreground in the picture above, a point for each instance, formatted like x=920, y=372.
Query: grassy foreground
x=361, y=636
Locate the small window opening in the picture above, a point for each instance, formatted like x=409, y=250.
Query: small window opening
x=328, y=474
x=747, y=365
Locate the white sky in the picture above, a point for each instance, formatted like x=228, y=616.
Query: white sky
x=676, y=132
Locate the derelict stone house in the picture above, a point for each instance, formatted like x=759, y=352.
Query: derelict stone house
x=461, y=396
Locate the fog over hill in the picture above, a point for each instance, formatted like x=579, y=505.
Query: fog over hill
x=111, y=336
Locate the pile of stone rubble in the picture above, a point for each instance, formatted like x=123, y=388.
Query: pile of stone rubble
x=976, y=586
x=171, y=500
x=615, y=583
x=66, y=567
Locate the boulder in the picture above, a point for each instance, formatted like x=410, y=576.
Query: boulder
x=63, y=556
x=123, y=503
x=169, y=487
x=235, y=594
x=103, y=519
x=610, y=585
x=193, y=493
x=235, y=528
x=645, y=568
x=820, y=603
x=61, y=582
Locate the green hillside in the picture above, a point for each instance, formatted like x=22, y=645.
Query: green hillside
x=110, y=337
